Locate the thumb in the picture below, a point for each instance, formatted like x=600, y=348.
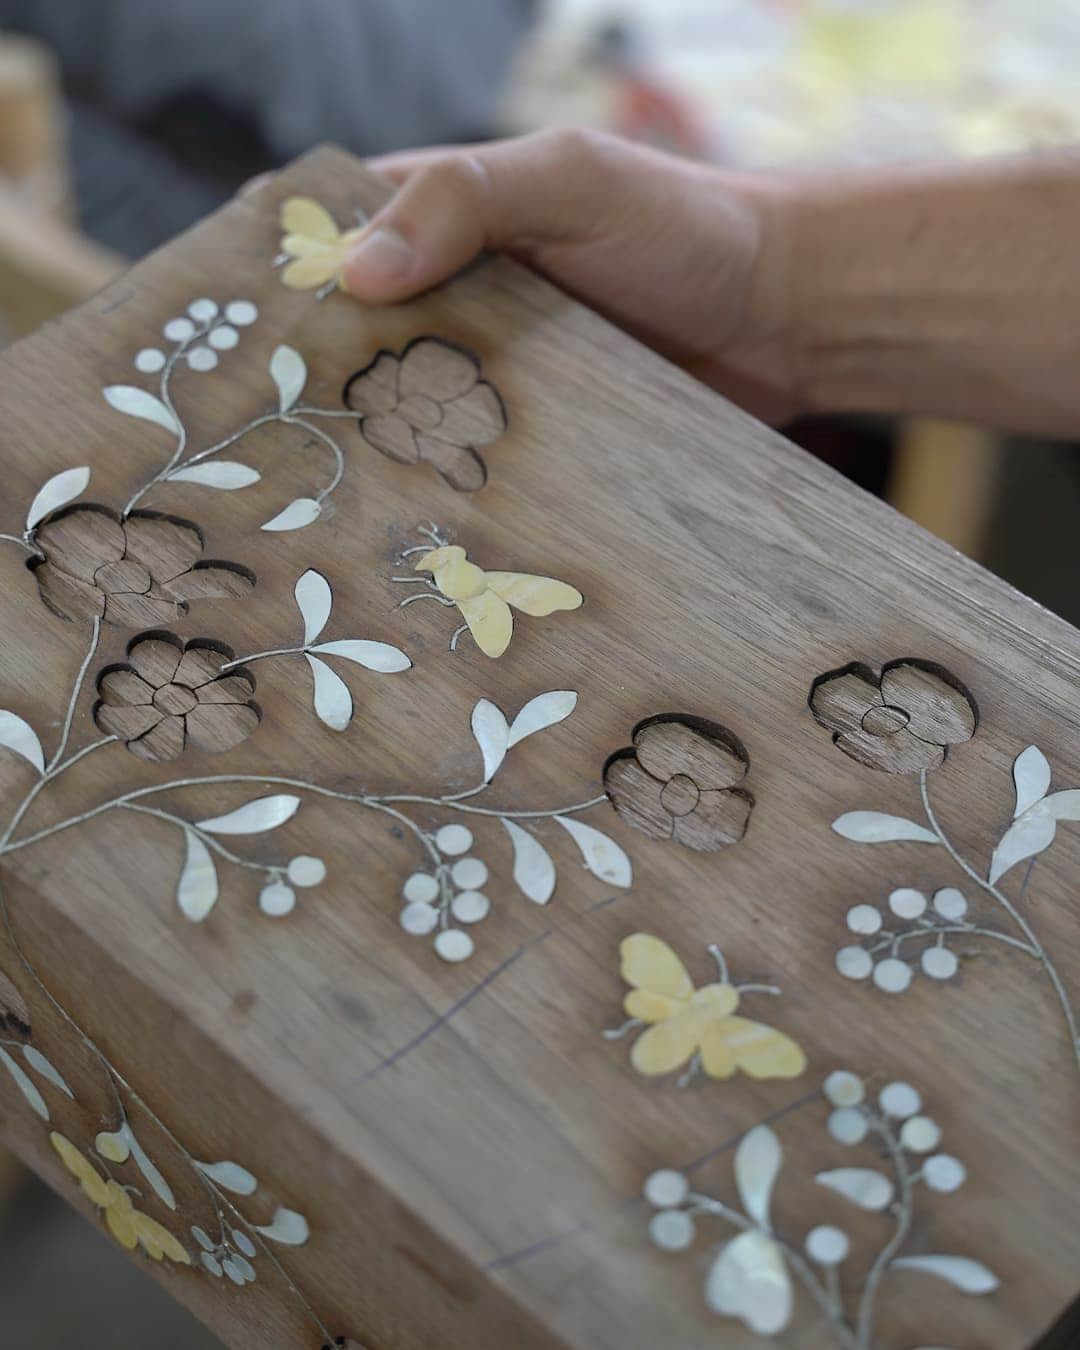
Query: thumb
x=453, y=204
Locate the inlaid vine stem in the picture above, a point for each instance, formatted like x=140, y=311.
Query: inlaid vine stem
x=1037, y=949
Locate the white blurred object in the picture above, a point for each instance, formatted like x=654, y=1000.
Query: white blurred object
x=795, y=82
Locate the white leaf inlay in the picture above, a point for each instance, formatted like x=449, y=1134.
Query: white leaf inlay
x=333, y=702
x=1063, y=805
x=25, y=1086
x=289, y=373
x=749, y=1280
x=153, y=1177
x=379, y=656
x=264, y=813
x=874, y=827
x=534, y=871
x=972, y=1277
x=19, y=736
x=314, y=600
x=492, y=733
x=543, y=711
x=757, y=1165
x=1024, y=838
x=295, y=516
x=286, y=1227
x=47, y=1069
x=57, y=492
x=1031, y=774
x=861, y=1185
x=230, y=1176
x=135, y=402
x=197, y=891
x=602, y=856
x=224, y=474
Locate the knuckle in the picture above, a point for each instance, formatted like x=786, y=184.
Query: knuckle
x=573, y=146
x=458, y=176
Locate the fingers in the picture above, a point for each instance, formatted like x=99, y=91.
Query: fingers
x=453, y=203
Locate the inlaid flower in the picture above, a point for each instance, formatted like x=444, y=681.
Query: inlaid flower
x=902, y=722
x=679, y=781
x=128, y=1225
x=429, y=404
x=133, y=572
x=168, y=695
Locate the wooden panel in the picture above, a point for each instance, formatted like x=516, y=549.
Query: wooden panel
x=468, y=1149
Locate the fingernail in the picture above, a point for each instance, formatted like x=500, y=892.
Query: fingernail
x=382, y=255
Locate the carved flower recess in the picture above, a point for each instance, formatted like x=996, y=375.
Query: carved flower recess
x=679, y=781
x=168, y=695
x=429, y=404
x=902, y=722
x=133, y=572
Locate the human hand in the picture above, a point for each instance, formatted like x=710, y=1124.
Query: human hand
x=688, y=258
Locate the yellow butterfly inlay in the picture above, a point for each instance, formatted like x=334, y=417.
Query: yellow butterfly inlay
x=693, y=1026
x=317, y=247
x=128, y=1225
x=485, y=598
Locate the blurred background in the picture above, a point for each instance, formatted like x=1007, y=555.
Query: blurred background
x=124, y=121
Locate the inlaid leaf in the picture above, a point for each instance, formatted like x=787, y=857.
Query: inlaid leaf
x=19, y=736
x=153, y=1177
x=295, y=516
x=1024, y=838
x=289, y=373
x=224, y=474
x=861, y=1185
x=135, y=402
x=543, y=711
x=314, y=600
x=1063, y=805
x=333, y=702
x=749, y=1280
x=601, y=855
x=197, y=891
x=47, y=1069
x=264, y=813
x=380, y=656
x=534, y=871
x=492, y=733
x=286, y=1227
x=757, y=1165
x=1031, y=774
x=230, y=1176
x=25, y=1086
x=57, y=492
x=972, y=1277
x=874, y=827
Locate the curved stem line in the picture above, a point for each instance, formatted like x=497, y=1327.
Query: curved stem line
x=1006, y=904
x=967, y=930
x=331, y=445
x=374, y=802
x=95, y=637
x=865, y=1325
x=259, y=656
x=181, y=434
x=207, y=839
x=14, y=539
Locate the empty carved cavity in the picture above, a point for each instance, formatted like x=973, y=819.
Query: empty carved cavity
x=429, y=405
x=899, y=721
x=170, y=694
x=680, y=780
x=141, y=569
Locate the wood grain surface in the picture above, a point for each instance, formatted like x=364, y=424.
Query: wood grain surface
x=468, y=1148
